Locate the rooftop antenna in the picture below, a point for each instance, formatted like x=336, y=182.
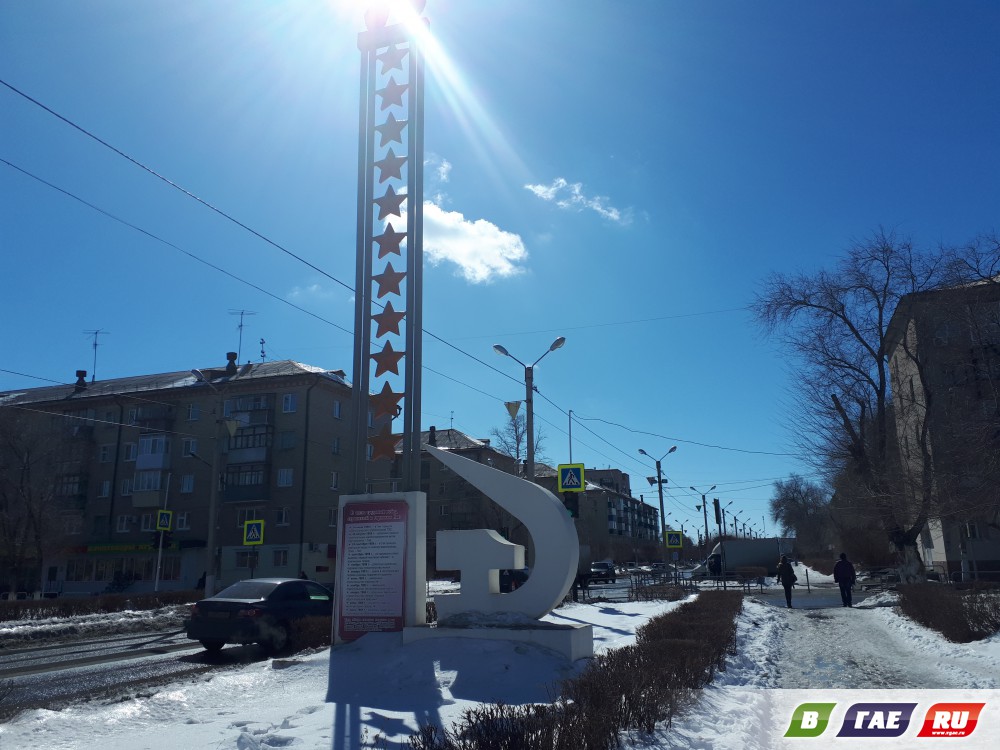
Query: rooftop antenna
x=262, y=354
x=241, y=313
x=451, y=424
x=95, y=334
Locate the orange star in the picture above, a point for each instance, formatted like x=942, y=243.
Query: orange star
x=388, y=281
x=390, y=166
x=391, y=130
x=385, y=403
x=387, y=360
x=388, y=241
x=392, y=94
x=383, y=444
x=388, y=320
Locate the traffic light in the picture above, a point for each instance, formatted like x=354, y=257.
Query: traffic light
x=718, y=514
x=159, y=536
x=572, y=503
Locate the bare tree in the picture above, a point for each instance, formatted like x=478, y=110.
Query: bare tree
x=837, y=323
x=512, y=439
x=803, y=507
x=29, y=520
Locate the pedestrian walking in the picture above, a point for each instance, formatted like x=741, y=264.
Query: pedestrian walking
x=787, y=578
x=844, y=575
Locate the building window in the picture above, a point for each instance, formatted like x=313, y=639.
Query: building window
x=371, y=418
x=183, y=520
x=257, y=436
x=105, y=490
x=146, y=480
x=336, y=409
x=133, y=415
x=154, y=445
x=334, y=480
x=73, y=524
x=246, y=514
x=369, y=451
x=246, y=558
x=281, y=517
x=289, y=402
x=107, y=452
x=287, y=440
x=147, y=522
x=332, y=518
x=285, y=477
x=281, y=558
x=187, y=483
x=123, y=523
x=126, y=487
x=131, y=451
x=335, y=446
x=444, y=510
x=194, y=412
x=245, y=475
x=190, y=447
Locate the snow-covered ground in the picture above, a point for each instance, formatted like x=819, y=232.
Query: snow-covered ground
x=381, y=687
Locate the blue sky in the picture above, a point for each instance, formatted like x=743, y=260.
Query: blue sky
x=624, y=174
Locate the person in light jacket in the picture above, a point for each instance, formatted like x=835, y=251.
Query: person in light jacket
x=844, y=575
x=787, y=578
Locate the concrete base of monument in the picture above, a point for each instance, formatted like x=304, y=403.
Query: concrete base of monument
x=572, y=641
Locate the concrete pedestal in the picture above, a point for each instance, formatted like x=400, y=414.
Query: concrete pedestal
x=572, y=641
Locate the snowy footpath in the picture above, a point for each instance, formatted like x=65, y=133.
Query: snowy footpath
x=345, y=698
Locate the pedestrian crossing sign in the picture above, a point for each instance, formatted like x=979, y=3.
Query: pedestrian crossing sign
x=674, y=540
x=253, y=532
x=164, y=519
x=570, y=478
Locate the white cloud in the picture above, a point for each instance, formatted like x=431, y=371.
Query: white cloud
x=313, y=291
x=570, y=195
x=482, y=251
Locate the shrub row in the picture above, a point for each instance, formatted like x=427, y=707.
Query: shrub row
x=633, y=688
x=959, y=615
x=32, y=609
x=656, y=592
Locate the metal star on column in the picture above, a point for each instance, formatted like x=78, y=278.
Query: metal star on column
x=388, y=241
x=383, y=444
x=391, y=130
x=385, y=403
x=390, y=166
x=388, y=320
x=387, y=360
x=388, y=281
x=390, y=203
x=392, y=58
x=392, y=94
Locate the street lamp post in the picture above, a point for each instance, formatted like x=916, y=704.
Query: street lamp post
x=529, y=386
x=704, y=510
x=659, y=487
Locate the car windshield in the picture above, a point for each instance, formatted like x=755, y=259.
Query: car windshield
x=251, y=590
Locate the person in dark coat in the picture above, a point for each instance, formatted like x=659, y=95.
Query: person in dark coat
x=787, y=578
x=844, y=575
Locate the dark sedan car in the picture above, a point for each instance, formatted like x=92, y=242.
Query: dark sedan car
x=258, y=610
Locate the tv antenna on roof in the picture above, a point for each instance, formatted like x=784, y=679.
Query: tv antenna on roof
x=241, y=313
x=95, y=334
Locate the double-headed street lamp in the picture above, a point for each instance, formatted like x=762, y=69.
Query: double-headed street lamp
x=704, y=510
x=659, y=486
x=529, y=376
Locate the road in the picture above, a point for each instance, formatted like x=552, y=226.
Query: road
x=54, y=675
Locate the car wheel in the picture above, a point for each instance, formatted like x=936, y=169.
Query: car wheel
x=212, y=646
x=277, y=639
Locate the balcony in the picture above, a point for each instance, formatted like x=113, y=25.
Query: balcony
x=245, y=493
x=148, y=498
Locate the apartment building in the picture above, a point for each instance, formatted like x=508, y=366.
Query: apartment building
x=271, y=441
x=944, y=361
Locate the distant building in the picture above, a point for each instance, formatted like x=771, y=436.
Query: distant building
x=944, y=362
x=278, y=434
